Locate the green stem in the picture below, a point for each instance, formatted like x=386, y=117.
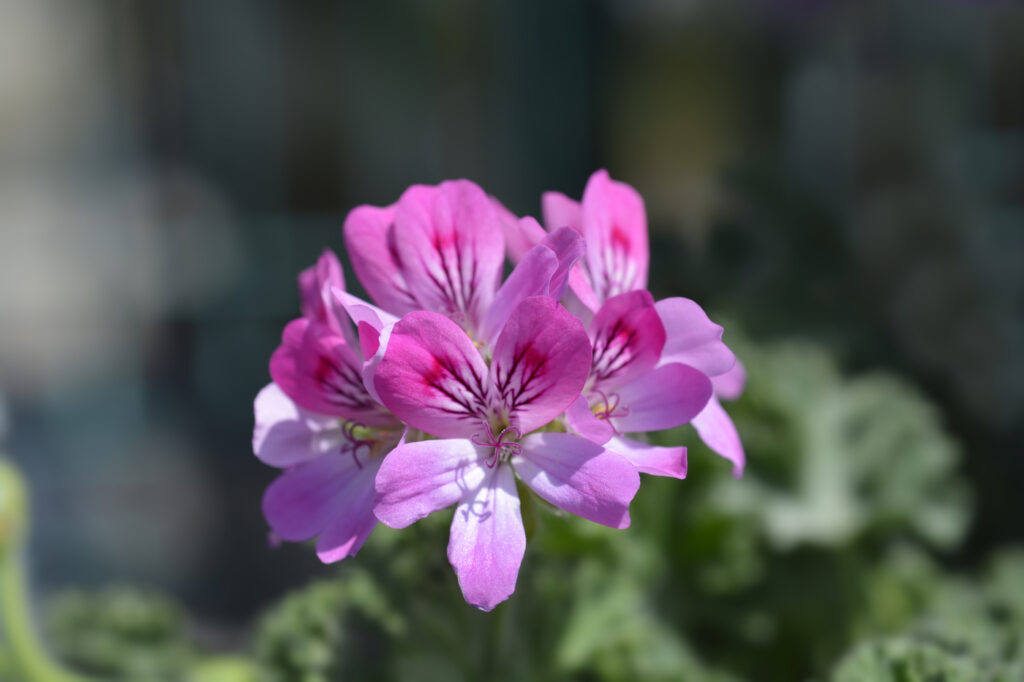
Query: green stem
x=22, y=643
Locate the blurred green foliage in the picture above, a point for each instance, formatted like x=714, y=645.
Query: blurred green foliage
x=829, y=540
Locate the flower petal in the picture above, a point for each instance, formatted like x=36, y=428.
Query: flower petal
x=569, y=248
x=531, y=277
x=716, y=429
x=540, y=362
x=487, y=540
x=729, y=386
x=330, y=496
x=584, y=422
x=615, y=227
x=285, y=434
x=691, y=338
x=432, y=376
x=521, y=234
x=326, y=271
x=650, y=459
x=559, y=210
x=417, y=479
x=317, y=369
x=450, y=245
x=628, y=337
x=370, y=240
x=663, y=398
x=578, y=476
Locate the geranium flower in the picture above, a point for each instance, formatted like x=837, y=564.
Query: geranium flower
x=629, y=392
x=487, y=417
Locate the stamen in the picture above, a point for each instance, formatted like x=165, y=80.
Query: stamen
x=503, y=449
x=354, y=443
x=610, y=407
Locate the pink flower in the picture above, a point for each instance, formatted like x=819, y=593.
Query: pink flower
x=434, y=378
x=629, y=392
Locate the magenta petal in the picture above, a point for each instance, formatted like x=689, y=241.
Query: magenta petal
x=420, y=478
x=370, y=240
x=691, y=338
x=450, y=243
x=312, y=280
x=560, y=211
x=615, y=227
x=487, y=540
x=663, y=398
x=584, y=422
x=521, y=234
x=628, y=337
x=285, y=434
x=716, y=429
x=531, y=277
x=329, y=496
x=316, y=368
x=651, y=459
x=540, y=362
x=578, y=476
x=729, y=386
x=568, y=247
x=432, y=376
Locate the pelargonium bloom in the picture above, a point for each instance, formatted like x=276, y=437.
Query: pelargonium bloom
x=487, y=418
x=628, y=392
x=318, y=422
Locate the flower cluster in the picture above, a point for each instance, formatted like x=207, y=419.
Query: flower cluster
x=453, y=384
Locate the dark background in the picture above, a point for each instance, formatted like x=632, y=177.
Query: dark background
x=852, y=172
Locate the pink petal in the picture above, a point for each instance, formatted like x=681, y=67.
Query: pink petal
x=531, y=277
x=578, y=476
x=729, y=386
x=317, y=369
x=312, y=280
x=587, y=303
x=663, y=398
x=560, y=211
x=329, y=496
x=568, y=247
x=521, y=235
x=650, y=459
x=628, y=337
x=432, y=376
x=417, y=479
x=487, y=540
x=370, y=240
x=450, y=244
x=716, y=429
x=615, y=227
x=692, y=338
x=368, y=318
x=584, y=422
x=285, y=434
x=540, y=362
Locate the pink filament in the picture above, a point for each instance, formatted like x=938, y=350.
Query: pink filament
x=500, y=445
x=353, y=445
x=611, y=409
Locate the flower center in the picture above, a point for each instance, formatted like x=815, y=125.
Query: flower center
x=608, y=407
x=362, y=441
x=505, y=444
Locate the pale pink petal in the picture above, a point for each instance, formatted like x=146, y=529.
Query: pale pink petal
x=330, y=496
x=450, y=244
x=521, y=235
x=312, y=280
x=627, y=336
x=531, y=277
x=586, y=302
x=559, y=210
x=578, y=476
x=432, y=376
x=370, y=240
x=285, y=434
x=662, y=398
x=540, y=362
x=615, y=227
x=417, y=479
x=368, y=319
x=584, y=422
x=691, y=338
x=487, y=540
x=716, y=429
x=650, y=459
x=318, y=370
x=729, y=386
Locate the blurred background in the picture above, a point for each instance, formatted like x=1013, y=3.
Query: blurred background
x=846, y=174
